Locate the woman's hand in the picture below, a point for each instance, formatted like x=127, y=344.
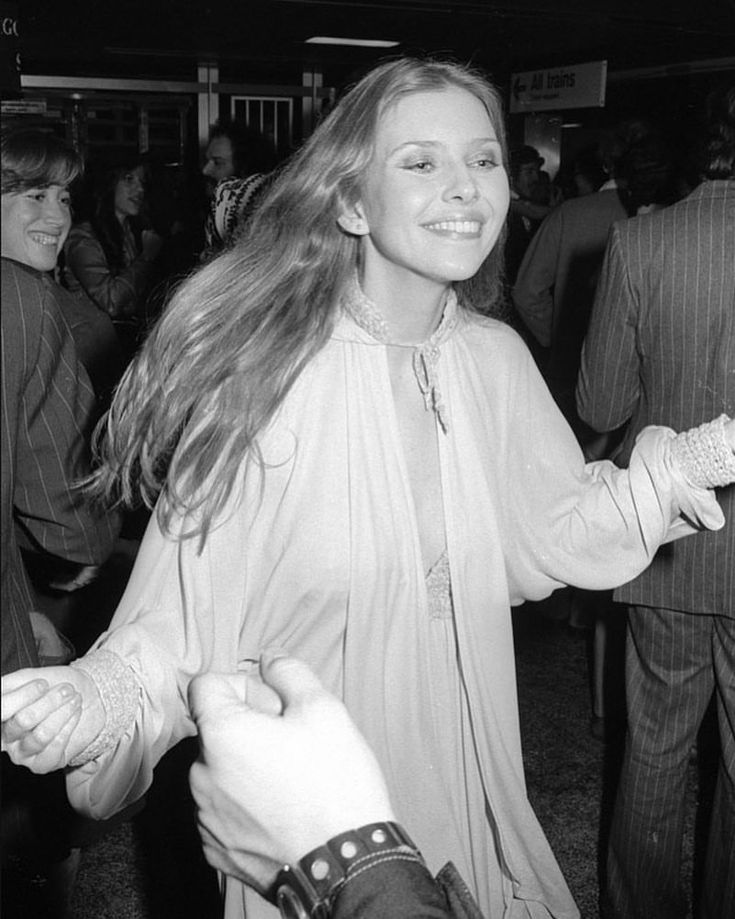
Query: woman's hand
x=49, y=715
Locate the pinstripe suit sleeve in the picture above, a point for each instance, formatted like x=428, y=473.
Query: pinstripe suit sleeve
x=608, y=386
x=48, y=406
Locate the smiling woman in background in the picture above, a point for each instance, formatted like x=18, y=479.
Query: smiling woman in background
x=47, y=408
x=111, y=257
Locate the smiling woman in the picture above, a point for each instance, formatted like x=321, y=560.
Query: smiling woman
x=36, y=203
x=37, y=222
x=432, y=204
x=353, y=461
x=38, y=171
x=47, y=409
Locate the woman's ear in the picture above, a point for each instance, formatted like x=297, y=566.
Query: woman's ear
x=352, y=220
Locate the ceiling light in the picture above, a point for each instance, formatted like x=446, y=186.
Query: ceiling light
x=355, y=42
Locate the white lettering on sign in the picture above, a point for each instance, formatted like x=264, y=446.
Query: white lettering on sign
x=9, y=26
x=577, y=86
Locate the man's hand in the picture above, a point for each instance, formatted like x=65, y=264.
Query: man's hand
x=282, y=769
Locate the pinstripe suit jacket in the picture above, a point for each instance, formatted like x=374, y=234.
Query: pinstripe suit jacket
x=661, y=350
x=47, y=405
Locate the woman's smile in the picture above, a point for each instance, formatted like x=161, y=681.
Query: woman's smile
x=456, y=229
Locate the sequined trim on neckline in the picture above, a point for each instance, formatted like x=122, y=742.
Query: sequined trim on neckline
x=425, y=355
x=439, y=588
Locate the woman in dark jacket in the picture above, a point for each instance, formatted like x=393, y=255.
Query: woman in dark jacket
x=111, y=258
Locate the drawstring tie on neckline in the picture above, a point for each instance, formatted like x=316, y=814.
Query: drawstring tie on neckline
x=425, y=356
x=425, y=359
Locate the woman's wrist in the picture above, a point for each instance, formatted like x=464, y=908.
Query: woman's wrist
x=706, y=453
x=119, y=693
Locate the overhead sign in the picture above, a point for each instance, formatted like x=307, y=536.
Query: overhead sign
x=9, y=53
x=23, y=107
x=577, y=86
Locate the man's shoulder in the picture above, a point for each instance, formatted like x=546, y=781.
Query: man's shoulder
x=695, y=209
x=599, y=201
x=593, y=213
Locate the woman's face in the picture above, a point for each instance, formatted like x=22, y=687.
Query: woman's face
x=129, y=193
x=435, y=195
x=35, y=224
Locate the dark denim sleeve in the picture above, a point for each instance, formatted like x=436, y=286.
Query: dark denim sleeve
x=395, y=889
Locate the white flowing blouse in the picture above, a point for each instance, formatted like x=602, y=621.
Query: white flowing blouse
x=320, y=555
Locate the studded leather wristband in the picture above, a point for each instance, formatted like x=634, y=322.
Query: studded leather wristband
x=308, y=889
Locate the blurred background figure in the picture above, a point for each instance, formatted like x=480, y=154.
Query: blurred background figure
x=646, y=176
x=525, y=213
x=238, y=169
x=111, y=257
x=556, y=281
x=553, y=295
x=235, y=149
x=587, y=171
x=48, y=406
x=661, y=350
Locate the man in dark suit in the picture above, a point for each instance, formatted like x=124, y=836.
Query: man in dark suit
x=555, y=286
x=661, y=350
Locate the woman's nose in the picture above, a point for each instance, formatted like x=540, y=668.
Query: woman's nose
x=461, y=184
x=55, y=212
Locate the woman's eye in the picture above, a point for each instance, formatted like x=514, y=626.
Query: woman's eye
x=486, y=162
x=421, y=166
x=37, y=195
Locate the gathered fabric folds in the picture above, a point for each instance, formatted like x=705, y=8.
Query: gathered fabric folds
x=319, y=553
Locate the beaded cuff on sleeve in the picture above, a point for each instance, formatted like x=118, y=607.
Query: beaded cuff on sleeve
x=704, y=455
x=119, y=691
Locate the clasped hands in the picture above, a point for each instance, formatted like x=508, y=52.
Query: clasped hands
x=282, y=767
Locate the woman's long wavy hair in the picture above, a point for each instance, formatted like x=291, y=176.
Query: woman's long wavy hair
x=236, y=335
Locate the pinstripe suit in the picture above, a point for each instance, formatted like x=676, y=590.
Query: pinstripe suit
x=661, y=350
x=47, y=405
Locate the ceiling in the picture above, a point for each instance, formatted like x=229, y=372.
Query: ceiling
x=263, y=39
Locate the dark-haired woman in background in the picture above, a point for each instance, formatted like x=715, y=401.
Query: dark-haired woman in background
x=111, y=258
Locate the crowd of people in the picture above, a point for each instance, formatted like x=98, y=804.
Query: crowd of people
x=354, y=466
